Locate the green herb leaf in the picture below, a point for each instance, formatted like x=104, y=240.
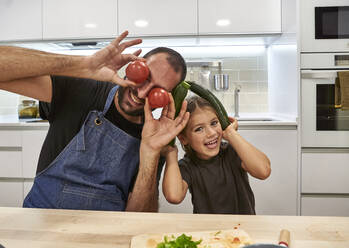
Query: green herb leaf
x=182, y=241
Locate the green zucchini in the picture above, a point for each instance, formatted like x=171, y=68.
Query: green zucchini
x=213, y=100
x=179, y=93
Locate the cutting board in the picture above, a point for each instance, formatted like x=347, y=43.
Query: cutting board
x=215, y=236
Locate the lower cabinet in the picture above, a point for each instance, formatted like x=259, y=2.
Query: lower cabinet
x=11, y=193
x=277, y=195
x=19, y=153
x=324, y=180
x=325, y=205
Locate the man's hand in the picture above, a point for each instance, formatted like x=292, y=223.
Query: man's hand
x=104, y=64
x=157, y=134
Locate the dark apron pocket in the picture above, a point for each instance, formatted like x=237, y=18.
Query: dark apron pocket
x=89, y=198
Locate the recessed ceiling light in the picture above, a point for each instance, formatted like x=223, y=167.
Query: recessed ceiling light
x=141, y=23
x=223, y=22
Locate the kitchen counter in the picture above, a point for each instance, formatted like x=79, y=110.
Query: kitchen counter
x=71, y=228
x=246, y=121
x=14, y=121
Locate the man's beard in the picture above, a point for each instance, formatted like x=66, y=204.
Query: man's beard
x=136, y=112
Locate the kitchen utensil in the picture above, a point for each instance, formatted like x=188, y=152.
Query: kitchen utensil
x=221, y=82
x=284, y=241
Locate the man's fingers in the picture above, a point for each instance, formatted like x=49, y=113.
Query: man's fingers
x=182, y=122
x=164, y=111
x=130, y=43
x=123, y=82
x=118, y=39
x=171, y=107
x=183, y=110
x=137, y=53
x=147, y=111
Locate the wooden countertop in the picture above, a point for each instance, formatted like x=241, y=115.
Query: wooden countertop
x=70, y=228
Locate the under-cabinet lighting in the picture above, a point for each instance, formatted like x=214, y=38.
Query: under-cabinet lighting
x=141, y=23
x=211, y=51
x=90, y=25
x=223, y=22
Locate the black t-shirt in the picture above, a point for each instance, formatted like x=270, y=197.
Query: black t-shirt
x=218, y=185
x=72, y=100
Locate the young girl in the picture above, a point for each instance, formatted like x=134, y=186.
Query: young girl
x=215, y=172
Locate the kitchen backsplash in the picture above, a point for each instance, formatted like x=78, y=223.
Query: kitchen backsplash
x=250, y=73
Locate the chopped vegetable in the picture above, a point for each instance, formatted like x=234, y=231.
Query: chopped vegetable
x=182, y=241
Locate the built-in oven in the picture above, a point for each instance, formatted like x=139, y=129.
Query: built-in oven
x=323, y=123
x=324, y=25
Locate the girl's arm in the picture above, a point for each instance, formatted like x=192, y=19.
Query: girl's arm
x=173, y=185
x=255, y=162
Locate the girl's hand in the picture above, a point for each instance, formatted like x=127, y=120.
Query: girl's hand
x=233, y=127
x=168, y=149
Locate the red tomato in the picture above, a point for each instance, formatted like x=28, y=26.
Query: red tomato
x=158, y=98
x=137, y=71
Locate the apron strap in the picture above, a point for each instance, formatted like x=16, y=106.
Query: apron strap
x=110, y=99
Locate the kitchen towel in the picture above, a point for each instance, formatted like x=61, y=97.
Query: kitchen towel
x=342, y=90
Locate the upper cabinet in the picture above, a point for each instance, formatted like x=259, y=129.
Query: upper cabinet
x=79, y=19
x=239, y=16
x=158, y=17
x=20, y=20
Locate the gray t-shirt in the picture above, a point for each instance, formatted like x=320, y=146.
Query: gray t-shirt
x=218, y=185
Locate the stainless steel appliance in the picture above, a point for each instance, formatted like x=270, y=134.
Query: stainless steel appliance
x=324, y=25
x=323, y=125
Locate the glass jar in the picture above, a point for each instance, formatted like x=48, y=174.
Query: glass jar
x=28, y=109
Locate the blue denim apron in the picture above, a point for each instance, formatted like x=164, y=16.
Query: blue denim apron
x=94, y=171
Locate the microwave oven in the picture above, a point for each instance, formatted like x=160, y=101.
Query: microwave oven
x=324, y=25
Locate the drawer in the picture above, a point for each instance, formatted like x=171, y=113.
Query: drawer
x=10, y=139
x=32, y=143
x=27, y=185
x=11, y=193
x=10, y=163
x=325, y=205
x=325, y=172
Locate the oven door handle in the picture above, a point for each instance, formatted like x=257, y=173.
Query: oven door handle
x=326, y=74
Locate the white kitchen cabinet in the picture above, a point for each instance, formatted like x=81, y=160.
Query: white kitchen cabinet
x=32, y=141
x=277, y=195
x=9, y=138
x=158, y=17
x=11, y=193
x=19, y=152
x=331, y=205
x=239, y=16
x=10, y=163
x=20, y=20
x=324, y=181
x=66, y=19
x=27, y=185
x=325, y=172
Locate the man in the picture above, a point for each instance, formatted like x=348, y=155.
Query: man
x=92, y=152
